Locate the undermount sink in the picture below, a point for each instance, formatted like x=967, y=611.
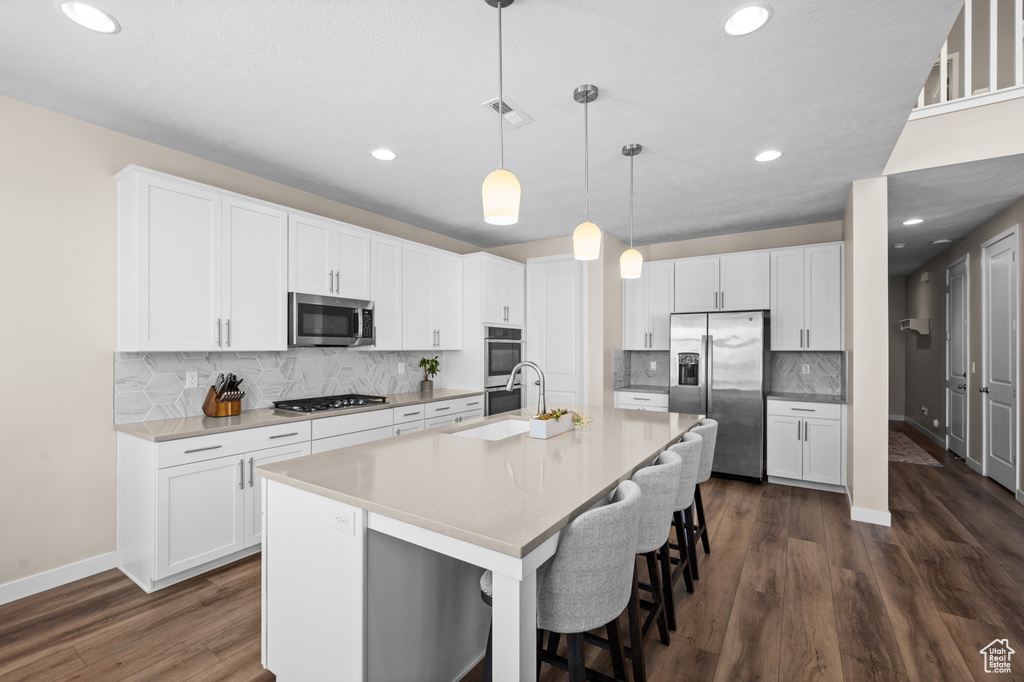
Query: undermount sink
x=496, y=430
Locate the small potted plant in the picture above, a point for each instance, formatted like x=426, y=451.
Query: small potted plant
x=430, y=368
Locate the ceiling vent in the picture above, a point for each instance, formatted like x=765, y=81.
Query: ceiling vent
x=513, y=115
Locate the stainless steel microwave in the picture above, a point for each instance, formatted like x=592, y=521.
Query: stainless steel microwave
x=329, y=321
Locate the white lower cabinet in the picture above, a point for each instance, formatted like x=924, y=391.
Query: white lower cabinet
x=253, y=489
x=641, y=400
x=805, y=442
x=446, y=412
x=409, y=427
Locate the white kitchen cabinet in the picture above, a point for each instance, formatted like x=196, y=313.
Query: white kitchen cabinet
x=328, y=258
x=807, y=298
x=409, y=427
x=199, y=269
x=736, y=281
x=641, y=400
x=805, y=442
x=504, y=291
x=647, y=303
x=386, y=291
x=253, y=489
x=431, y=299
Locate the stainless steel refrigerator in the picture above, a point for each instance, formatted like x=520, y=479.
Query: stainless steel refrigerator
x=719, y=367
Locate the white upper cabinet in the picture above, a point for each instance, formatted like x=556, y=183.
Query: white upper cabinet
x=431, y=299
x=504, y=291
x=737, y=281
x=646, y=307
x=386, y=291
x=328, y=258
x=807, y=298
x=198, y=269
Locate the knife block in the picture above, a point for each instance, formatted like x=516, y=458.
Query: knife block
x=215, y=408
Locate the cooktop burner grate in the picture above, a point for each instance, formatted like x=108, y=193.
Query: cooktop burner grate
x=331, y=402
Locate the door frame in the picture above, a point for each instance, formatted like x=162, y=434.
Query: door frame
x=1013, y=232
x=532, y=327
x=966, y=260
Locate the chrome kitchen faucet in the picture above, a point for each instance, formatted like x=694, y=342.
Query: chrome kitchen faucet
x=542, y=405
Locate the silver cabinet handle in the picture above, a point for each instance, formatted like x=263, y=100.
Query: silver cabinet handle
x=472, y=404
x=284, y=435
x=438, y=338
x=228, y=325
x=723, y=301
x=637, y=398
x=337, y=282
x=211, y=447
x=398, y=431
x=801, y=338
x=218, y=332
x=330, y=281
x=241, y=474
x=798, y=423
x=410, y=414
x=802, y=409
x=250, y=470
x=808, y=338
x=442, y=409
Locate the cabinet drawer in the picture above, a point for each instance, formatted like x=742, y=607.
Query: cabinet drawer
x=469, y=404
x=408, y=427
x=443, y=420
x=786, y=408
x=637, y=400
x=410, y=413
x=345, y=440
x=201, y=448
x=350, y=423
x=442, y=408
x=474, y=413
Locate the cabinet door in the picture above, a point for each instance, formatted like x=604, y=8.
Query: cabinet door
x=435, y=422
x=408, y=427
x=351, y=262
x=448, y=301
x=823, y=306
x=659, y=278
x=418, y=289
x=347, y=439
x=744, y=282
x=494, y=297
x=822, y=451
x=634, y=315
x=696, y=285
x=787, y=304
x=785, y=454
x=472, y=414
x=310, y=255
x=253, y=489
x=199, y=514
x=178, y=241
x=386, y=291
x=514, y=290
x=255, y=276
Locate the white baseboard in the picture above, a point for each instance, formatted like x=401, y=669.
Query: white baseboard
x=827, y=487
x=878, y=518
x=938, y=441
x=897, y=417
x=978, y=468
x=34, y=584
x=1020, y=496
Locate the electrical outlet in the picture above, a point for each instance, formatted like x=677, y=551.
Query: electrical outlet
x=924, y=410
x=345, y=521
x=654, y=365
x=935, y=423
x=805, y=369
x=401, y=368
x=191, y=379
x=973, y=369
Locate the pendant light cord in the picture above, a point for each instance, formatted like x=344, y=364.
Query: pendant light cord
x=631, y=202
x=501, y=99
x=586, y=156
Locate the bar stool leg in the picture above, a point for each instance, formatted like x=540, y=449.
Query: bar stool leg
x=636, y=636
x=658, y=596
x=617, y=652
x=691, y=542
x=576, y=669
x=685, y=546
x=702, y=523
x=666, y=580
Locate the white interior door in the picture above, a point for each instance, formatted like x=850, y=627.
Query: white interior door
x=999, y=362
x=556, y=334
x=956, y=357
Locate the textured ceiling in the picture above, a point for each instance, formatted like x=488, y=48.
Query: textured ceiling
x=301, y=91
x=953, y=200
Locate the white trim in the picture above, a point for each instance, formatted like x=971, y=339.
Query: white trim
x=975, y=466
x=1020, y=496
x=47, y=580
x=965, y=259
x=878, y=518
x=897, y=417
x=967, y=102
x=812, y=485
x=918, y=427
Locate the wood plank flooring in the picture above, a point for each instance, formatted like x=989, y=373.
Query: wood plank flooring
x=793, y=590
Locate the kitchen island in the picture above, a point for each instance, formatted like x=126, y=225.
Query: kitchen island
x=362, y=541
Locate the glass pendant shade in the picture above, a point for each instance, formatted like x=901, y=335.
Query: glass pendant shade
x=631, y=264
x=586, y=241
x=501, y=192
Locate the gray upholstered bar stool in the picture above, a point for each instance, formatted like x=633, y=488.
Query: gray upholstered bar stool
x=659, y=485
x=708, y=430
x=689, y=451
x=586, y=584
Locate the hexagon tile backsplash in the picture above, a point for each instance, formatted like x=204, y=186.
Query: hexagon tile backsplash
x=151, y=386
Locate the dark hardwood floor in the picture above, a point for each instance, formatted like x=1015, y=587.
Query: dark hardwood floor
x=793, y=590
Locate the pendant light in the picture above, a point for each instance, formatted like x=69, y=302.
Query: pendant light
x=586, y=239
x=631, y=263
x=501, y=190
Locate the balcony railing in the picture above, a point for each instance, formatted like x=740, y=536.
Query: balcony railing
x=981, y=62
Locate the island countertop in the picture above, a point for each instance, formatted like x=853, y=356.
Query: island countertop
x=507, y=495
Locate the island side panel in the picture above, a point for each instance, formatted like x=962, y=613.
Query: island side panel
x=314, y=578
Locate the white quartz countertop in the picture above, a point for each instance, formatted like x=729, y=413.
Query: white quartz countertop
x=188, y=427
x=507, y=495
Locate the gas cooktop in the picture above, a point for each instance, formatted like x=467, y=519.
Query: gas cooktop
x=331, y=402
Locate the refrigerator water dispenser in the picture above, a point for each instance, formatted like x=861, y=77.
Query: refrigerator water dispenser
x=689, y=363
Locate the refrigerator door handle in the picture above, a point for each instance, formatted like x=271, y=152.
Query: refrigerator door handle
x=709, y=369
x=704, y=379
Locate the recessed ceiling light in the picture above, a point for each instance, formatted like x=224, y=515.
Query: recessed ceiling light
x=384, y=154
x=747, y=19
x=90, y=16
x=898, y=246
x=769, y=155
x=943, y=241
x=913, y=221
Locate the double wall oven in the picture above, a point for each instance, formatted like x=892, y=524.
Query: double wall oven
x=503, y=350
